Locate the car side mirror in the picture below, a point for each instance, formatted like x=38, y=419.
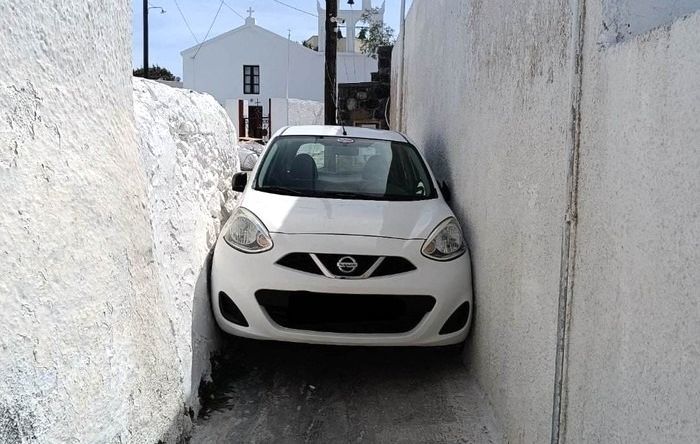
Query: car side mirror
x=240, y=180
x=446, y=192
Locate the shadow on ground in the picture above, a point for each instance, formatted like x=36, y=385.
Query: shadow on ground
x=279, y=392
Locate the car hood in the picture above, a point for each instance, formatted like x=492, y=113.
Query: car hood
x=310, y=215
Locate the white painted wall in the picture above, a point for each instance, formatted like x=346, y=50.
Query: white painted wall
x=305, y=112
x=296, y=112
x=104, y=227
x=189, y=150
x=492, y=118
x=622, y=19
x=634, y=365
x=498, y=128
x=217, y=68
x=86, y=350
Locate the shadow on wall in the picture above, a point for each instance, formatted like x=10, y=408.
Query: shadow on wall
x=207, y=344
x=436, y=154
x=206, y=337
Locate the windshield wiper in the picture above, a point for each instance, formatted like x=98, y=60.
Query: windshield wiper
x=282, y=190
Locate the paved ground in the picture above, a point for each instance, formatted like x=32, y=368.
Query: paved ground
x=289, y=393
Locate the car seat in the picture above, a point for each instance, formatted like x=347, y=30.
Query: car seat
x=374, y=174
x=303, y=172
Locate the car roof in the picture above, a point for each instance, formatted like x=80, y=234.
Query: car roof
x=350, y=131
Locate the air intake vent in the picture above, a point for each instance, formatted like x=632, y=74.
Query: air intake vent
x=345, y=313
x=393, y=265
x=301, y=262
x=230, y=310
x=457, y=320
x=346, y=266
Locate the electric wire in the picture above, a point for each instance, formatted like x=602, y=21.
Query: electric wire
x=196, y=40
x=208, y=31
x=234, y=11
x=295, y=8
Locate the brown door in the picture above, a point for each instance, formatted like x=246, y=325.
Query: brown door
x=255, y=122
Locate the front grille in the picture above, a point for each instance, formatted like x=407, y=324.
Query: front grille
x=393, y=265
x=300, y=261
x=332, y=263
x=345, y=313
x=338, y=265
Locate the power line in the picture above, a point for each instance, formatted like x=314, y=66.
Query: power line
x=295, y=8
x=210, y=26
x=234, y=11
x=196, y=40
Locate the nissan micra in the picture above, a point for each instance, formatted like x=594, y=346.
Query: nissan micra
x=342, y=236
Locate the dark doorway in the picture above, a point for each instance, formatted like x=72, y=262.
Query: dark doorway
x=256, y=128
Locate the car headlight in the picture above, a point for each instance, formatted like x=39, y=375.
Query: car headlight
x=445, y=242
x=245, y=232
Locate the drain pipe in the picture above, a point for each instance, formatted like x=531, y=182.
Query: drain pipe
x=568, y=247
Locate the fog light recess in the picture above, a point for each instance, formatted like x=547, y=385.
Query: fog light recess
x=230, y=310
x=457, y=320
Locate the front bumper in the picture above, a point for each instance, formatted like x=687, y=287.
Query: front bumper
x=240, y=276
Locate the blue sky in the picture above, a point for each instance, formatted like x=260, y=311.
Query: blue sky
x=168, y=33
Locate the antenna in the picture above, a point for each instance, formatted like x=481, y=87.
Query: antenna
x=340, y=119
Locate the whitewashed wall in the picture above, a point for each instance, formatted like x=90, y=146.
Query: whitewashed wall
x=189, y=151
x=294, y=112
x=86, y=350
x=104, y=229
x=495, y=119
x=492, y=120
x=622, y=19
x=634, y=365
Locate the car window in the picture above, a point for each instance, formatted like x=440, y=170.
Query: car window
x=343, y=167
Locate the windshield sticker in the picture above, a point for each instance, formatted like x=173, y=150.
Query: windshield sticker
x=345, y=140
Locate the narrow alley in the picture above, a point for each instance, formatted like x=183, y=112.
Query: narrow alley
x=277, y=392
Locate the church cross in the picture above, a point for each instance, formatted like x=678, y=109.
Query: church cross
x=250, y=11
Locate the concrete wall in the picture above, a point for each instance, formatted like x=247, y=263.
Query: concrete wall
x=85, y=351
x=495, y=118
x=634, y=359
x=622, y=19
x=492, y=118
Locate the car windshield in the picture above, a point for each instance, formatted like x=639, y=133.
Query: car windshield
x=344, y=168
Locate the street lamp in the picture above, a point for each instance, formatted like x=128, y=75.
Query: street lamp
x=145, y=34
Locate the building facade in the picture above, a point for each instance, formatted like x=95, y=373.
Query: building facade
x=254, y=65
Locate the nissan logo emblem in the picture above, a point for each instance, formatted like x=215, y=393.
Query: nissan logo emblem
x=347, y=264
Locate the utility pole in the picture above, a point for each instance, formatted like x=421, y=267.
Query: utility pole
x=289, y=42
x=400, y=86
x=145, y=39
x=331, y=66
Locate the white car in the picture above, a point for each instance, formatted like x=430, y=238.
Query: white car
x=342, y=236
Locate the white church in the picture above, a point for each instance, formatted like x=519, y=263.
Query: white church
x=250, y=68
